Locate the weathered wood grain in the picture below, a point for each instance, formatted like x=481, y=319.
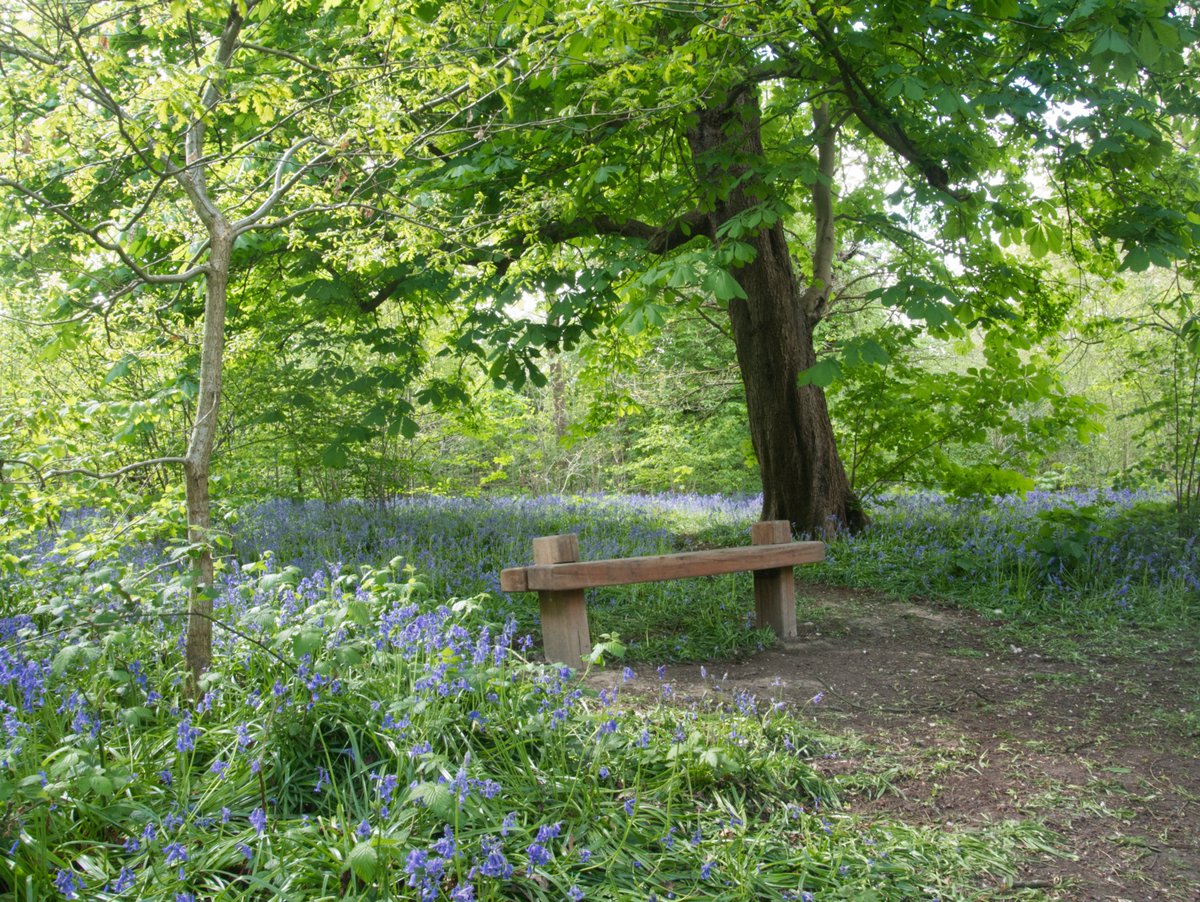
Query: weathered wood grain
x=565, y=635
x=775, y=589
x=684, y=565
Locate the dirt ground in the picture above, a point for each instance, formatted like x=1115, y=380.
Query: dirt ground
x=964, y=730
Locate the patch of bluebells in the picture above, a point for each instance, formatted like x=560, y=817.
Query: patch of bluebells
x=1089, y=546
x=457, y=542
x=461, y=545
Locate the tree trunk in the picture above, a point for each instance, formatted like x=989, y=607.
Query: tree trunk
x=197, y=463
x=803, y=478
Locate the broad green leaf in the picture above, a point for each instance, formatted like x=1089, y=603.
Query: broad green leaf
x=822, y=374
x=437, y=797
x=335, y=457
x=725, y=287
x=364, y=861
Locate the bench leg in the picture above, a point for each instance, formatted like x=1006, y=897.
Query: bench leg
x=565, y=636
x=775, y=590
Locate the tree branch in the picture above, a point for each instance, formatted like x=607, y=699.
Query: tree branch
x=192, y=176
x=381, y=296
x=815, y=298
x=43, y=478
x=879, y=120
x=94, y=233
x=659, y=239
x=280, y=186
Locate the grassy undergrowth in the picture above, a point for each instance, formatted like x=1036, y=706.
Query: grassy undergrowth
x=1064, y=570
x=358, y=739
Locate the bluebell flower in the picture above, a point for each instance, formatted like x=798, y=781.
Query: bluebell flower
x=387, y=786
x=186, y=734
x=123, y=882
x=67, y=883
x=416, y=861
x=175, y=852
x=258, y=820
x=494, y=863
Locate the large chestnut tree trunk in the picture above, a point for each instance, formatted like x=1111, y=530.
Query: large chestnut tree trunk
x=803, y=478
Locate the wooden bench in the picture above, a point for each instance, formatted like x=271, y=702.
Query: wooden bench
x=559, y=578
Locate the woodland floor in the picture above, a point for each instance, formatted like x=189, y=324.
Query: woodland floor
x=945, y=724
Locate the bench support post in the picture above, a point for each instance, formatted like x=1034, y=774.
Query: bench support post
x=565, y=637
x=775, y=590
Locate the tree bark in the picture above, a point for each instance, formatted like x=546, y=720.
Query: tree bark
x=198, y=460
x=803, y=479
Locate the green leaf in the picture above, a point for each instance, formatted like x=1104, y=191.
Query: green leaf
x=348, y=657
x=137, y=716
x=822, y=374
x=364, y=861
x=437, y=797
x=603, y=174
x=1137, y=259
x=359, y=613
x=725, y=287
x=120, y=369
x=682, y=275
x=1190, y=333
x=72, y=656
x=98, y=783
x=335, y=457
x=307, y=642
x=872, y=351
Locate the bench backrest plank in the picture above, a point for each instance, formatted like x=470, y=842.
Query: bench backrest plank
x=684, y=565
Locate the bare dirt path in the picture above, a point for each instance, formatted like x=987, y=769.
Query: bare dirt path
x=966, y=731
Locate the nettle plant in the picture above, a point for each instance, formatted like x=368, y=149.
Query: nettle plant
x=362, y=740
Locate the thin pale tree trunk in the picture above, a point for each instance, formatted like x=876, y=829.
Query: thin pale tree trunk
x=198, y=460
